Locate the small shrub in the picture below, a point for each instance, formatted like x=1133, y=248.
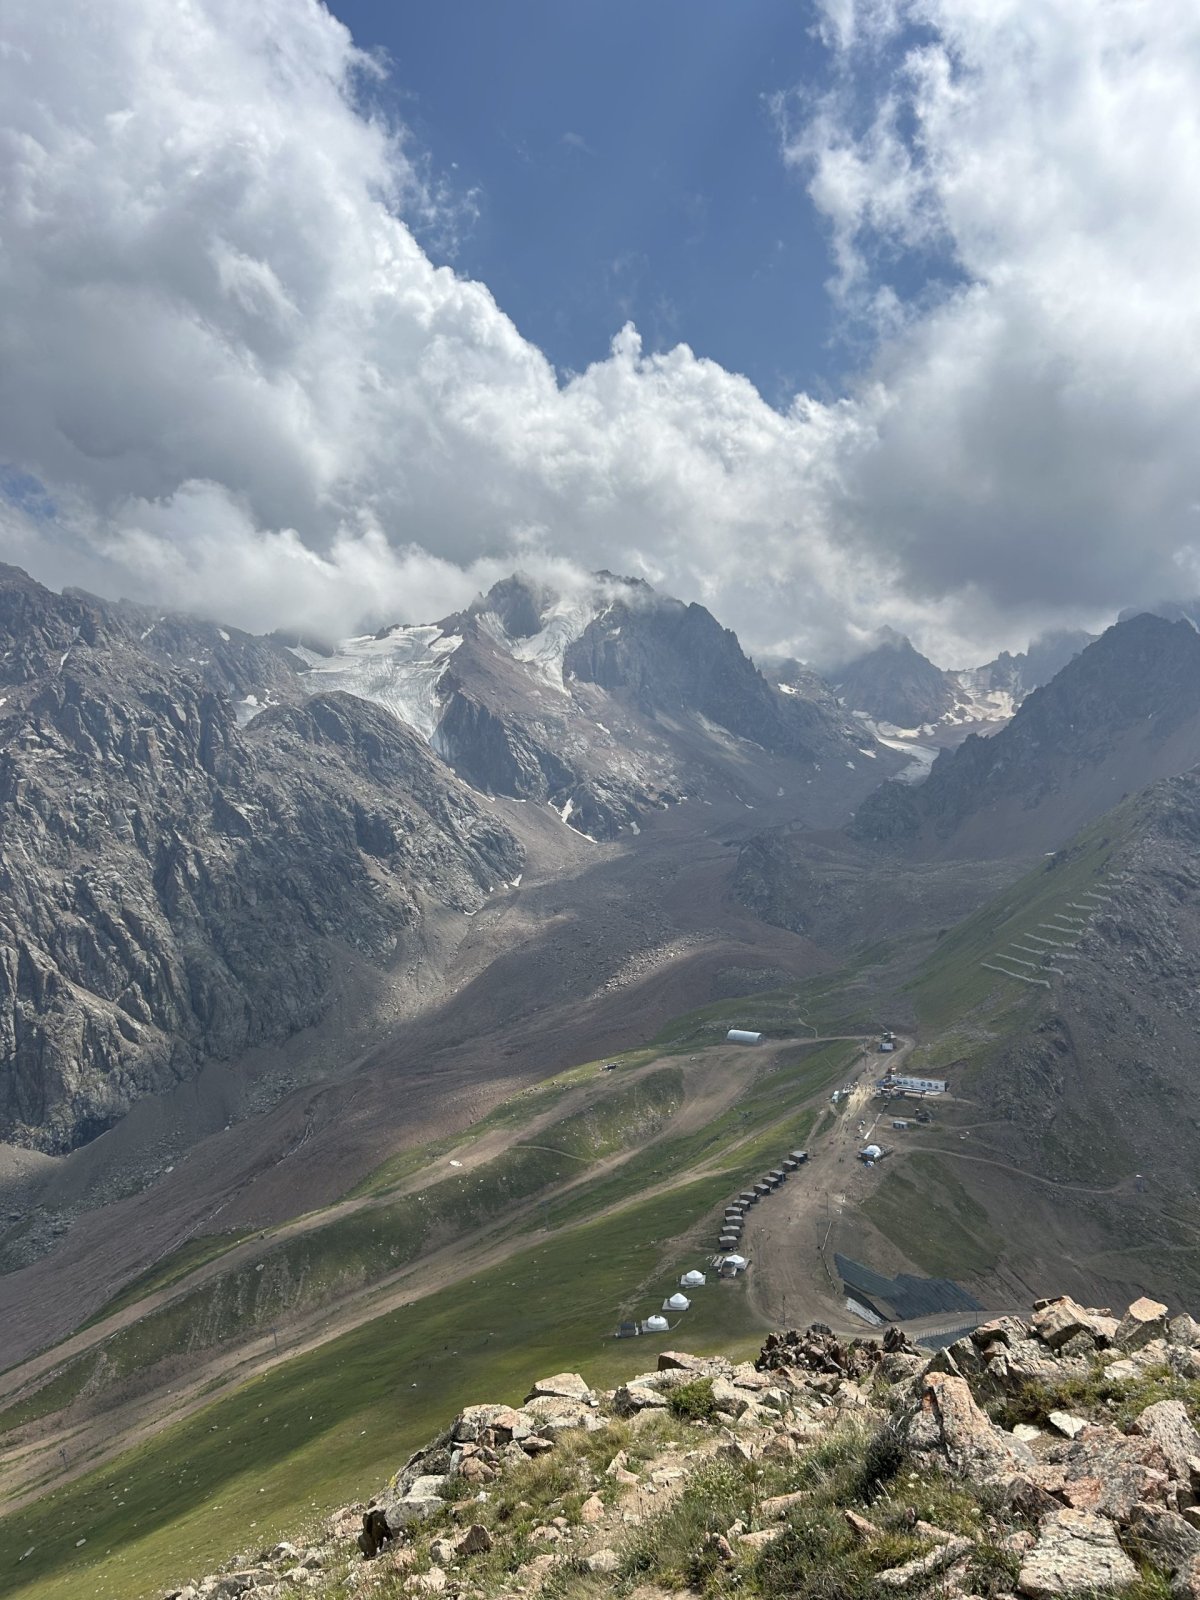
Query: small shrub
x=693, y=1402
x=992, y=1571
x=817, y=1557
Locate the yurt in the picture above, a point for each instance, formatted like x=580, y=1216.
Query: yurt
x=677, y=1302
x=692, y=1280
x=656, y=1324
x=736, y=1261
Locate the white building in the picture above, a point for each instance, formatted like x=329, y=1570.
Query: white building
x=692, y=1280
x=742, y=1036
x=656, y=1324
x=677, y=1302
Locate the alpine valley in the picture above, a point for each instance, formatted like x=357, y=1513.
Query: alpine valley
x=364, y=1009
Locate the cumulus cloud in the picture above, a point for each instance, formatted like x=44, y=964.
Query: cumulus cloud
x=245, y=385
x=1026, y=431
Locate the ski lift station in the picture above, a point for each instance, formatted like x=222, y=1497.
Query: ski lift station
x=742, y=1036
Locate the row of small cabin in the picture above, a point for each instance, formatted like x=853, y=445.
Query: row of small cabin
x=735, y=1211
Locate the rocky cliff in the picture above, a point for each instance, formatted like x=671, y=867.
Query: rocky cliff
x=174, y=887
x=1049, y=1455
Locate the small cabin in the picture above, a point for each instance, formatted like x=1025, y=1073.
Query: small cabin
x=799, y=1157
x=628, y=1330
x=900, y=1122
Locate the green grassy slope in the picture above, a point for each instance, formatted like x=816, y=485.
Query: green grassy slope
x=326, y=1425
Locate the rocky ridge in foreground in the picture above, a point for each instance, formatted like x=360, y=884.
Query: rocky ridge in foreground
x=1054, y=1456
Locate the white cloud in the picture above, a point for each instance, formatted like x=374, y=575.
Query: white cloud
x=1029, y=431
x=247, y=387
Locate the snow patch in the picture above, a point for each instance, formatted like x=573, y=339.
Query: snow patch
x=223, y=634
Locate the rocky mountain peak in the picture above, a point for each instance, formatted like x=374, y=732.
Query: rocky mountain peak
x=1121, y=714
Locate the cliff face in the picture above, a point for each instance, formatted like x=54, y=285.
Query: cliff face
x=173, y=887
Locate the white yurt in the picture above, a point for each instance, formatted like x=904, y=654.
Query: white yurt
x=656, y=1324
x=692, y=1280
x=677, y=1302
x=871, y=1153
x=736, y=1262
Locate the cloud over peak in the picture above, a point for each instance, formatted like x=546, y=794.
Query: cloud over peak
x=246, y=386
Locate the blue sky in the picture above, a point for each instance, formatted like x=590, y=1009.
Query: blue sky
x=627, y=166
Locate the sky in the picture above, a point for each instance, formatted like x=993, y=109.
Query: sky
x=831, y=316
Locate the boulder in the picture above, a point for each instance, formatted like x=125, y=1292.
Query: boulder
x=1168, y=1424
x=562, y=1386
x=631, y=1398
x=473, y=1421
x=422, y=1499
x=1110, y=1472
x=1184, y=1330
x=952, y=1429
x=476, y=1541
x=1057, y=1321
x=1077, y=1552
x=1167, y=1538
x=1145, y=1320
x=1003, y=1331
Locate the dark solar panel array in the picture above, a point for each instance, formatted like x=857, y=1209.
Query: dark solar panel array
x=907, y=1297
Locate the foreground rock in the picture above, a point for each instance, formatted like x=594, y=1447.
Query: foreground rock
x=1105, y=1503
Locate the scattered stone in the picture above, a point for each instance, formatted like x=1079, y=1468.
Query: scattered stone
x=1026, y=1432
x=431, y=1582
x=1065, y=1423
x=592, y=1509
x=780, y=1504
x=756, y=1541
x=1076, y=1552
x=476, y=1541
x=606, y=1560
x=922, y=1567
x=861, y=1527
